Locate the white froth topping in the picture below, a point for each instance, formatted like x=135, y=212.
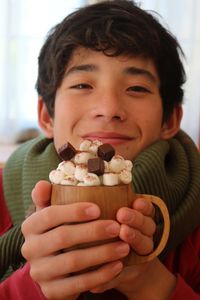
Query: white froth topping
x=75, y=171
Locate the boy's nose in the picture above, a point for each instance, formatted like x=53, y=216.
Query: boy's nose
x=110, y=107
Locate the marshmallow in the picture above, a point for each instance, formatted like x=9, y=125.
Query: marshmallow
x=110, y=179
x=125, y=177
x=94, y=164
x=82, y=157
x=94, y=146
x=69, y=180
x=56, y=176
x=129, y=165
x=80, y=172
x=67, y=167
x=91, y=179
x=117, y=164
x=85, y=145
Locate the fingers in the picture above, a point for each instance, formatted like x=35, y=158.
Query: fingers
x=77, y=284
x=41, y=194
x=137, y=220
x=55, y=215
x=139, y=242
x=51, y=267
x=144, y=206
x=67, y=236
x=137, y=226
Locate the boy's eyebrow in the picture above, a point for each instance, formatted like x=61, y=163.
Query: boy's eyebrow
x=127, y=71
x=140, y=71
x=86, y=68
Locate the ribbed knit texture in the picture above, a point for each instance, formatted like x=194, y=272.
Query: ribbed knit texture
x=11, y=241
x=30, y=163
x=171, y=170
x=168, y=169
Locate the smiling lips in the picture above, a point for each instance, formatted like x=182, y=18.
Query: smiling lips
x=112, y=138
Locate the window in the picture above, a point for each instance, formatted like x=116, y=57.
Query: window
x=185, y=26
x=23, y=27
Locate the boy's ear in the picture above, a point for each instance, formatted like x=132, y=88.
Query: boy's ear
x=172, y=125
x=44, y=119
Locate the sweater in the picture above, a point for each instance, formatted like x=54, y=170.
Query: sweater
x=168, y=169
x=184, y=261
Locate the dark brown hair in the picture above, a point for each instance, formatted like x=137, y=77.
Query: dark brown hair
x=113, y=27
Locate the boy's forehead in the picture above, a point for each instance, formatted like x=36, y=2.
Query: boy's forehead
x=81, y=53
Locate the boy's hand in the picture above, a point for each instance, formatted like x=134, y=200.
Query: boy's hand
x=149, y=280
x=137, y=226
x=47, y=234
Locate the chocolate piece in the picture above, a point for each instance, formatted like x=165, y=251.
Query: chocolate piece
x=106, y=152
x=67, y=151
x=96, y=166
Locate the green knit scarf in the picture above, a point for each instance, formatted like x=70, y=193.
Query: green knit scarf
x=168, y=169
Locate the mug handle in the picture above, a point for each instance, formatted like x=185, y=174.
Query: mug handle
x=133, y=258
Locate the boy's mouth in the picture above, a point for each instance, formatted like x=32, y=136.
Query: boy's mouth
x=112, y=138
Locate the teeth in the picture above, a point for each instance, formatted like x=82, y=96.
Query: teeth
x=117, y=164
x=80, y=172
x=129, y=165
x=56, y=176
x=69, y=180
x=67, y=167
x=110, y=179
x=125, y=177
x=82, y=157
x=91, y=179
x=85, y=145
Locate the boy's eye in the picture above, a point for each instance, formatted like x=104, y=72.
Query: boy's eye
x=138, y=88
x=81, y=86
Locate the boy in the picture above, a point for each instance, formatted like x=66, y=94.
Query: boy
x=110, y=72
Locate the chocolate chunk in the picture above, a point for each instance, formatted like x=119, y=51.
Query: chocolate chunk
x=96, y=165
x=67, y=151
x=106, y=152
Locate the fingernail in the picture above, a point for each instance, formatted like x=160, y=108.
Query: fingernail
x=141, y=203
x=128, y=216
x=92, y=211
x=113, y=229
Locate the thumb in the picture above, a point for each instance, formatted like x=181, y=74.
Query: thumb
x=41, y=194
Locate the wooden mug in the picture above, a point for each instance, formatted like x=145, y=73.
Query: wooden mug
x=110, y=199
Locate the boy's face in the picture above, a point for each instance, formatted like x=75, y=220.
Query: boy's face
x=112, y=99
